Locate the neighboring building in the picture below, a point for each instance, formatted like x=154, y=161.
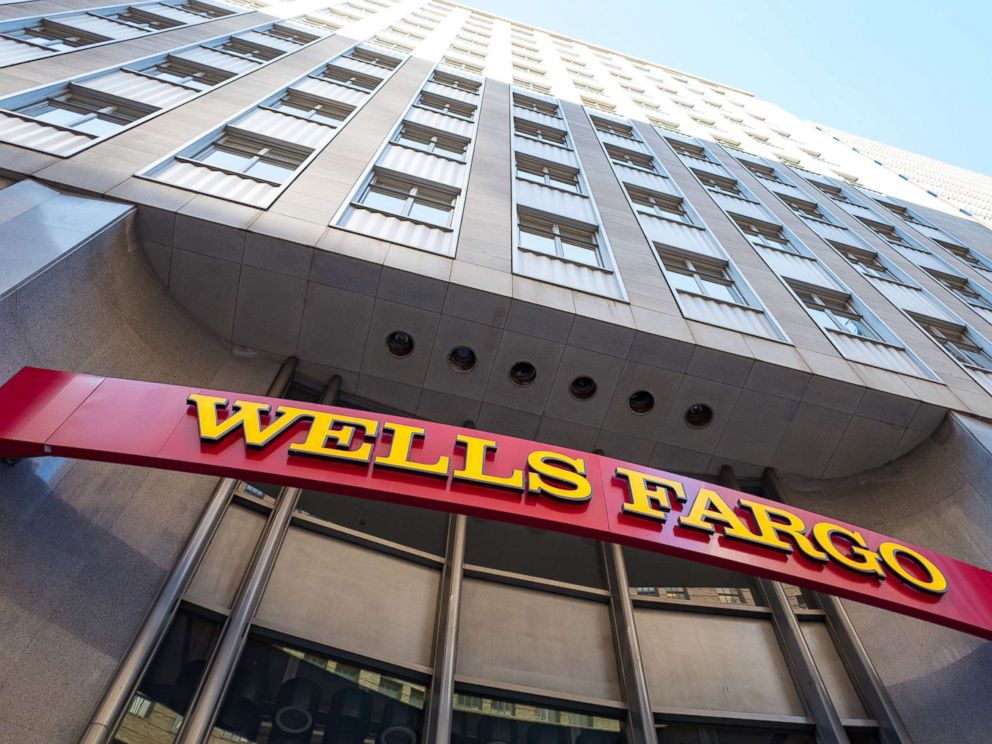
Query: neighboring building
x=414, y=207
x=969, y=192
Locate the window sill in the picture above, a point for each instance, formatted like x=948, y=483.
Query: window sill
x=740, y=305
x=301, y=118
x=669, y=219
x=866, y=339
x=405, y=218
x=219, y=169
x=542, y=141
x=459, y=117
x=566, y=260
x=638, y=168
x=426, y=152
x=556, y=188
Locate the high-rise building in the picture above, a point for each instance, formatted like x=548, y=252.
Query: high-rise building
x=967, y=191
x=413, y=208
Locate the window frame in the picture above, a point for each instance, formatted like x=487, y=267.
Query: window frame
x=279, y=154
x=703, y=272
x=522, y=161
x=555, y=229
x=413, y=197
x=836, y=306
x=434, y=137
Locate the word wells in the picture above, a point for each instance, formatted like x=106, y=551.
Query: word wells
x=679, y=510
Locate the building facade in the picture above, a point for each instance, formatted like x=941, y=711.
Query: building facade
x=411, y=206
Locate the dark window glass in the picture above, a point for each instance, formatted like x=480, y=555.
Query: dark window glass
x=486, y=721
x=654, y=575
x=163, y=697
x=287, y=695
x=680, y=733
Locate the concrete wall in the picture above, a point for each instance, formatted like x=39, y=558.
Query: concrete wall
x=85, y=546
x=936, y=496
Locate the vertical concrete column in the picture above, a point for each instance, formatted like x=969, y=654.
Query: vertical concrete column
x=640, y=721
x=132, y=668
x=890, y=726
x=829, y=729
x=437, y=726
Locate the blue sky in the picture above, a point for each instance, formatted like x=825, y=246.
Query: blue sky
x=910, y=73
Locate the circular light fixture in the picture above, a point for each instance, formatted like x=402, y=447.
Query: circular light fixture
x=641, y=402
x=461, y=358
x=698, y=415
x=582, y=387
x=523, y=373
x=399, y=343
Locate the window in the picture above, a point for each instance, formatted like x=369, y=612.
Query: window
x=53, y=37
x=432, y=141
x=284, y=33
x=238, y=154
x=137, y=18
x=446, y=106
x=762, y=171
x=904, y=213
x=965, y=255
x=730, y=595
x=836, y=312
x=453, y=81
x=958, y=342
x=808, y=210
x=203, y=9
x=533, y=104
x=330, y=113
x=867, y=262
x=687, y=150
x=577, y=244
x=283, y=693
x=615, y=128
x=370, y=57
x=660, y=205
x=719, y=184
x=766, y=234
x=85, y=113
x=834, y=192
x=248, y=50
x=188, y=74
x=506, y=721
x=699, y=276
x=961, y=287
x=535, y=131
x=349, y=78
x=631, y=159
x=409, y=199
x=676, y=592
x=886, y=233
x=548, y=174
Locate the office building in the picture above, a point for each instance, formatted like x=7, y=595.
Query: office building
x=416, y=208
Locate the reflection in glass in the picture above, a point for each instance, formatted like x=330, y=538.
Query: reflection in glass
x=654, y=575
x=156, y=711
x=480, y=720
x=678, y=733
x=286, y=695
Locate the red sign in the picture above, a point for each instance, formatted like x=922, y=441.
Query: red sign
x=323, y=448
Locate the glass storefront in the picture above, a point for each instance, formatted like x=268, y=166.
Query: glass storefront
x=483, y=720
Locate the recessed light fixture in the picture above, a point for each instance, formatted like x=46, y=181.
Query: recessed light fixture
x=399, y=343
x=698, y=415
x=461, y=358
x=582, y=387
x=641, y=402
x=523, y=373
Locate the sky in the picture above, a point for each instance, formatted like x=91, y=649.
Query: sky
x=916, y=74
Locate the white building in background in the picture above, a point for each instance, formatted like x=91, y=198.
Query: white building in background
x=417, y=207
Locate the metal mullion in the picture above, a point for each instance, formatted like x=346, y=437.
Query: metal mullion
x=440, y=694
x=124, y=683
x=876, y=698
x=198, y=722
x=640, y=720
x=798, y=657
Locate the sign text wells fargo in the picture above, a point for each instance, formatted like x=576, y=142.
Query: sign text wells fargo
x=487, y=475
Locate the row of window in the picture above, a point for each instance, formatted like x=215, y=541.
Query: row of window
x=263, y=149
x=30, y=38
x=93, y=105
x=959, y=340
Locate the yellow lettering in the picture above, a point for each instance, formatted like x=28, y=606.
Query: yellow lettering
x=545, y=465
x=823, y=533
x=649, y=494
x=322, y=429
x=399, y=451
x=245, y=415
x=935, y=583
x=709, y=507
x=476, y=450
x=771, y=532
